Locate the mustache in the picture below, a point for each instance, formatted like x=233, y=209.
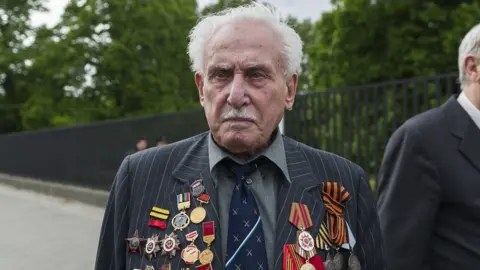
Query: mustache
x=238, y=113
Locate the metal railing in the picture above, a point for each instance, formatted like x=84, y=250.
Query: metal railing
x=356, y=122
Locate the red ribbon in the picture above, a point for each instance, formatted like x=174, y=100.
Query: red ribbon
x=157, y=223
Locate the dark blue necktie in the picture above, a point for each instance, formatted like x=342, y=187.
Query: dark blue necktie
x=246, y=244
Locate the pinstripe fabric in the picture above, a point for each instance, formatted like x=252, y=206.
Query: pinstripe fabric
x=155, y=176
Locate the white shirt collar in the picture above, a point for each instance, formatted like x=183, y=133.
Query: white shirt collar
x=469, y=108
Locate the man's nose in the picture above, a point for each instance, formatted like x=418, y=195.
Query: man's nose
x=237, y=95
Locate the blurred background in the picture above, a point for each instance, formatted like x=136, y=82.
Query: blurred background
x=83, y=83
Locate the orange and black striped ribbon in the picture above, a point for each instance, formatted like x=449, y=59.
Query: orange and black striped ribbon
x=300, y=216
x=334, y=197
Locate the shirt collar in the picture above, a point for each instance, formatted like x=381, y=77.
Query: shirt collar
x=469, y=108
x=275, y=153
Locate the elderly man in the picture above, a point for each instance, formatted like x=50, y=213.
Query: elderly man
x=429, y=183
x=241, y=196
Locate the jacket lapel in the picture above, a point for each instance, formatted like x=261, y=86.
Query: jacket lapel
x=298, y=190
x=193, y=166
x=463, y=127
x=470, y=145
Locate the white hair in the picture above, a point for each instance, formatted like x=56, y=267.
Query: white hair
x=209, y=25
x=470, y=46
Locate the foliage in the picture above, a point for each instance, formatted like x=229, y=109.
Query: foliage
x=364, y=42
x=222, y=4
x=14, y=76
x=105, y=59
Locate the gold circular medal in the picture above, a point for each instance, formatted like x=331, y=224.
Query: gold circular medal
x=206, y=257
x=307, y=266
x=198, y=215
x=190, y=254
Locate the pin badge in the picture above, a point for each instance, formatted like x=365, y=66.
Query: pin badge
x=181, y=220
x=166, y=267
x=301, y=219
x=134, y=243
x=197, y=187
x=199, y=213
x=208, y=228
x=170, y=245
x=191, y=254
x=152, y=247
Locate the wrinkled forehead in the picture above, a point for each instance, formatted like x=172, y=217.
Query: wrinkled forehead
x=244, y=44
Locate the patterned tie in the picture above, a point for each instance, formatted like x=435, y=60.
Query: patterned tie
x=245, y=244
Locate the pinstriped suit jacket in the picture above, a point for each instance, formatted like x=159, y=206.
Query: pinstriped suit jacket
x=155, y=176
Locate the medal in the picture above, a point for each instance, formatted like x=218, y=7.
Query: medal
x=354, y=262
x=197, y=187
x=166, y=267
x=191, y=254
x=134, y=243
x=335, y=232
x=204, y=267
x=181, y=220
x=307, y=266
x=338, y=260
x=293, y=261
x=198, y=214
x=208, y=229
x=301, y=219
x=170, y=244
x=152, y=247
x=335, y=197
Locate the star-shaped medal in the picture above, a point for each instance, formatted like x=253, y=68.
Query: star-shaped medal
x=134, y=243
x=170, y=245
x=152, y=247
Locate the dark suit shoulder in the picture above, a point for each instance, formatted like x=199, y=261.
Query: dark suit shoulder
x=158, y=162
x=428, y=122
x=328, y=159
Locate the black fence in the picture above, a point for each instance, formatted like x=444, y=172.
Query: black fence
x=89, y=155
x=354, y=122
x=357, y=122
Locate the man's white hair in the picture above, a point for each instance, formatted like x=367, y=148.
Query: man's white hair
x=470, y=46
x=207, y=27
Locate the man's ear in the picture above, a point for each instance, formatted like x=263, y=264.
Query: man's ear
x=472, y=70
x=199, y=83
x=291, y=91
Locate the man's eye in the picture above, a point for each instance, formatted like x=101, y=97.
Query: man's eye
x=256, y=75
x=221, y=74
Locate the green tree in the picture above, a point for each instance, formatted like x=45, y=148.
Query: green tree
x=362, y=42
x=14, y=51
x=222, y=4
x=305, y=31
x=140, y=64
x=108, y=59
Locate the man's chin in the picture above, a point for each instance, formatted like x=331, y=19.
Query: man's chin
x=237, y=142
